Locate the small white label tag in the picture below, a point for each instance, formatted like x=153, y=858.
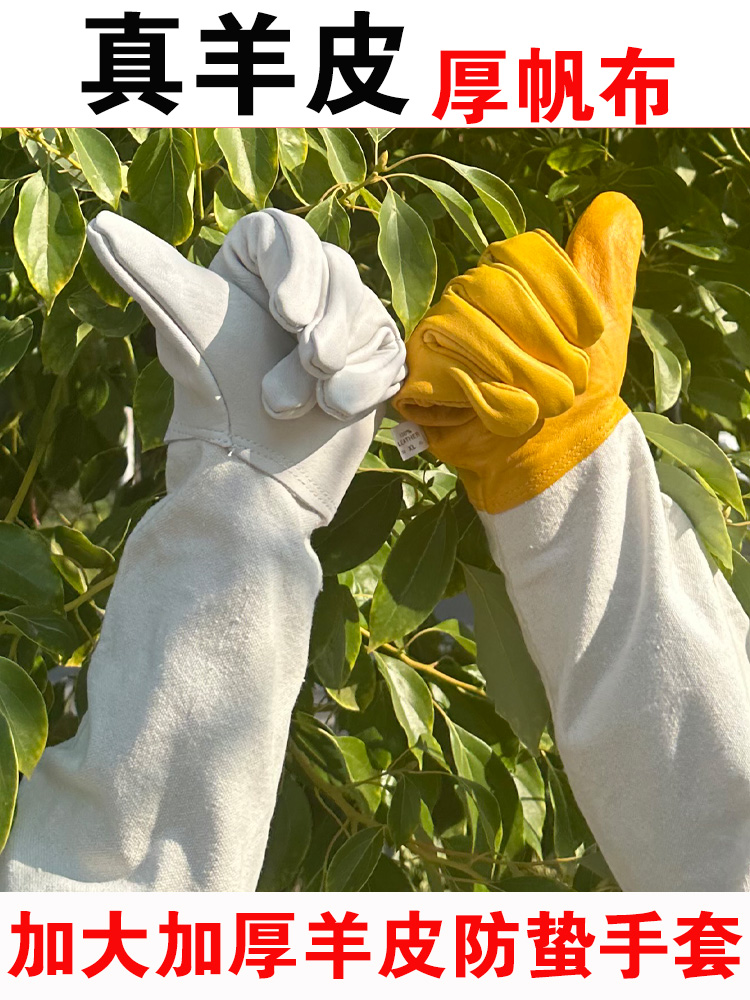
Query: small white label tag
x=409, y=438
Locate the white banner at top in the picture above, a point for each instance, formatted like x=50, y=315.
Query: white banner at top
x=439, y=64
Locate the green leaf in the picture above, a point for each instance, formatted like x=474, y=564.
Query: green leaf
x=22, y=706
x=562, y=188
x=387, y=877
x=320, y=747
x=541, y=212
x=101, y=280
x=209, y=152
x=99, y=162
x=360, y=686
x=362, y=523
x=530, y=785
x=46, y=628
x=574, y=155
x=7, y=194
x=76, y=546
x=696, y=450
x=288, y=840
x=470, y=754
x=457, y=631
x=513, y=681
x=361, y=770
x=110, y=322
x=62, y=335
x=415, y=575
x=499, y=198
x=720, y=395
x=252, y=155
x=671, y=363
x=404, y=811
x=378, y=134
x=102, y=473
x=26, y=570
x=310, y=180
x=371, y=201
x=335, y=637
x=408, y=256
x=707, y=247
x=93, y=393
x=206, y=246
x=8, y=780
x=15, y=337
x=702, y=507
x=735, y=302
x=355, y=861
x=741, y=580
x=459, y=210
x=153, y=402
x=159, y=180
x=230, y=205
x=568, y=826
x=411, y=698
x=293, y=147
x=331, y=222
x=345, y=156
x=49, y=232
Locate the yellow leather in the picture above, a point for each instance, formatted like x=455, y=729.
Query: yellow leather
x=515, y=373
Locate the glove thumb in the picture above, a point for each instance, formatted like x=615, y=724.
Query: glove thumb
x=605, y=246
x=186, y=303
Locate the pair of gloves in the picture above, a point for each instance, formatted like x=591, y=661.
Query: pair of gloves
x=281, y=357
x=280, y=354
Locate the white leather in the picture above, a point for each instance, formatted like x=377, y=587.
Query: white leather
x=281, y=327
x=170, y=782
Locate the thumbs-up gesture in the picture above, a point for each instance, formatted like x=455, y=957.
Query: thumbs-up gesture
x=515, y=374
x=278, y=352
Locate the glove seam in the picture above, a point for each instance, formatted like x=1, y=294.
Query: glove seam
x=230, y=442
x=550, y=475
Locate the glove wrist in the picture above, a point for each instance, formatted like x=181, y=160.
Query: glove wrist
x=545, y=458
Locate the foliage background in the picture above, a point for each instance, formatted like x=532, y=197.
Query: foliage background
x=421, y=755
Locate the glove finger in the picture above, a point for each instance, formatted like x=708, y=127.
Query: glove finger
x=288, y=391
x=457, y=334
x=278, y=260
x=505, y=410
x=502, y=294
x=371, y=328
x=159, y=278
x=442, y=389
x=325, y=343
x=370, y=376
x=605, y=247
x=186, y=303
x=553, y=280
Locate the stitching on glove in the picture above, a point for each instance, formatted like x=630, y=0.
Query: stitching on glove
x=229, y=443
x=316, y=491
x=580, y=450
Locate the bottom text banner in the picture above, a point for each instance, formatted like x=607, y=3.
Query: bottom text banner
x=175, y=944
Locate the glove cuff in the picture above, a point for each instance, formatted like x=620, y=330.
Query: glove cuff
x=558, y=447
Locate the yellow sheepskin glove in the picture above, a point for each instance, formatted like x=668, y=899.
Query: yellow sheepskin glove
x=515, y=373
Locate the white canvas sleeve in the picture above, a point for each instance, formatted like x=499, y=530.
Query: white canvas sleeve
x=171, y=780
x=643, y=650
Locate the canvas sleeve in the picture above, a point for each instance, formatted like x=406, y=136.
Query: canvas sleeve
x=643, y=650
x=171, y=780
